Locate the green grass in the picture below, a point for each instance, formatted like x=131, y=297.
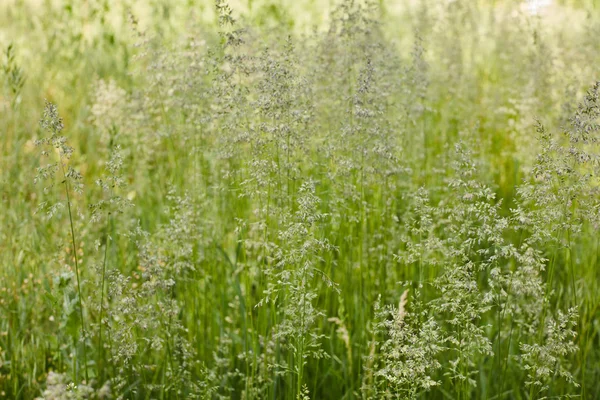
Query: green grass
x=398, y=203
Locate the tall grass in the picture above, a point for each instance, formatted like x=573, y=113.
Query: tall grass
x=228, y=203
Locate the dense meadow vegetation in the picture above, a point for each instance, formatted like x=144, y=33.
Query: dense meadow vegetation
x=299, y=199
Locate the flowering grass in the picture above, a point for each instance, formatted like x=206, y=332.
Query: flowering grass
x=221, y=201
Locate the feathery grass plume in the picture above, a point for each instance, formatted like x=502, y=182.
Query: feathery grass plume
x=52, y=123
x=286, y=115
x=473, y=227
x=147, y=337
x=547, y=361
x=562, y=194
x=406, y=345
x=111, y=184
x=451, y=254
x=292, y=289
x=556, y=208
x=110, y=208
